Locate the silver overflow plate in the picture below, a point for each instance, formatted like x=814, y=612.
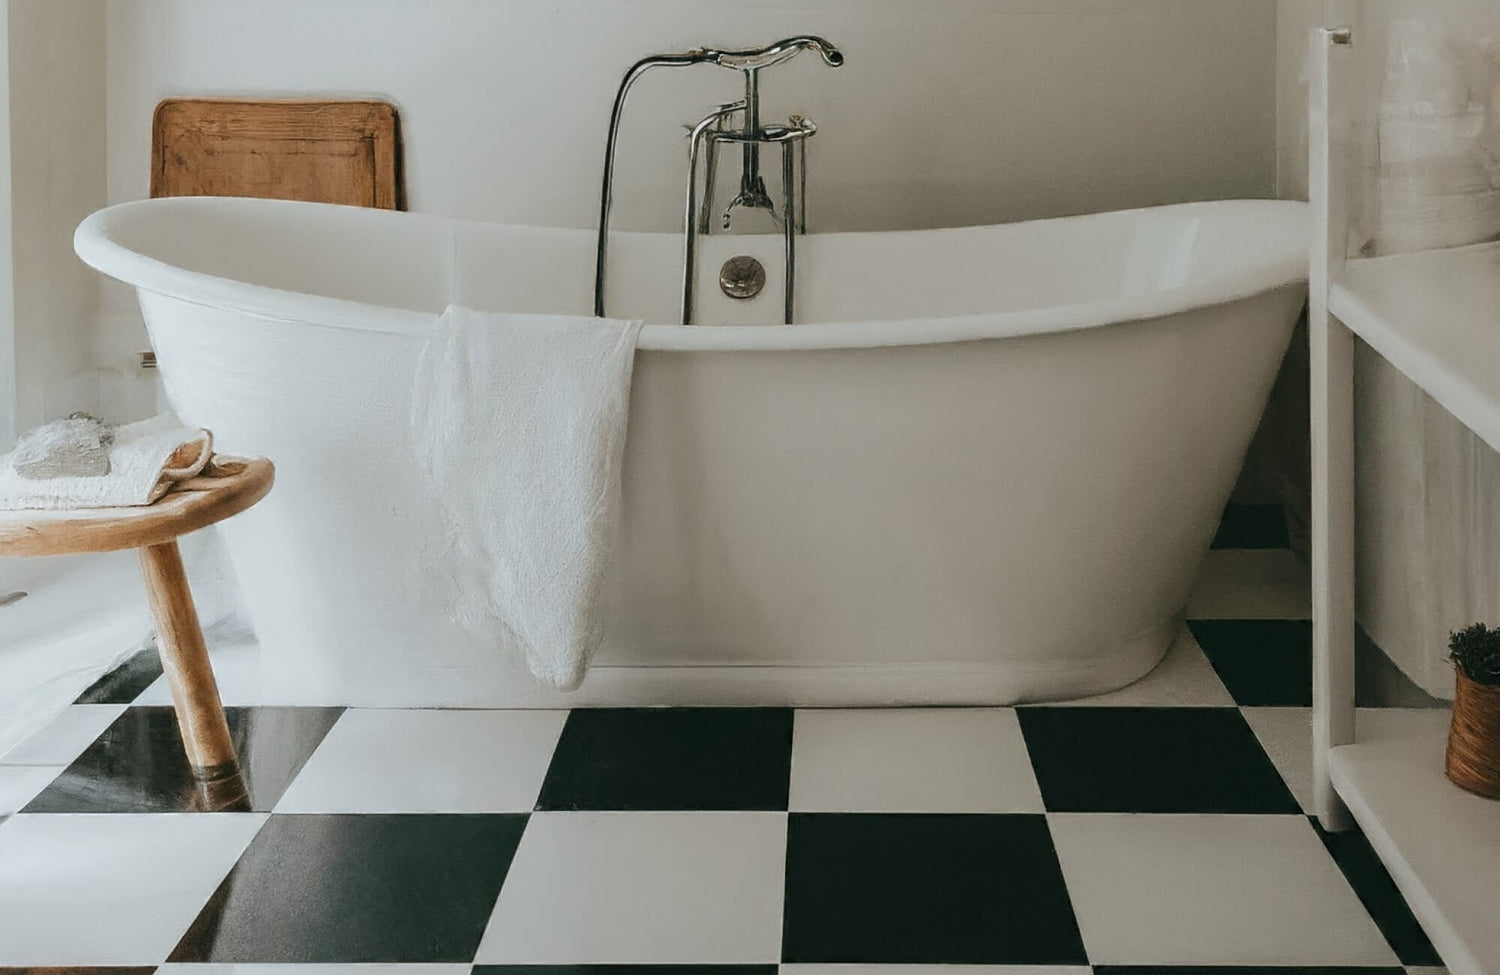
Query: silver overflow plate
x=742, y=277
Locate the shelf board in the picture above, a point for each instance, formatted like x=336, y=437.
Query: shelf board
x=1438, y=841
x=1435, y=315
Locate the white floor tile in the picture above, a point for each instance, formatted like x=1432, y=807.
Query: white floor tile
x=110, y=890
x=1286, y=735
x=915, y=760
x=66, y=737
x=842, y=969
x=1211, y=890
x=1184, y=679
x=19, y=784
x=315, y=969
x=428, y=761
x=1252, y=584
x=642, y=888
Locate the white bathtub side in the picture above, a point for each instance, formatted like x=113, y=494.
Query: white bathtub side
x=972, y=522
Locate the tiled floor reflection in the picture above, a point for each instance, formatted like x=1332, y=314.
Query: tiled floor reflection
x=138, y=765
x=363, y=888
x=125, y=683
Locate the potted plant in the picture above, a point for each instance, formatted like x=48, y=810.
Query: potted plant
x=1473, y=761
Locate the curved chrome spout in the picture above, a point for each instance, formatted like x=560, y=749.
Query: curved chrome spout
x=764, y=57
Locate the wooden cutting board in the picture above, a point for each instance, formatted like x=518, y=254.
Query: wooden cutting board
x=322, y=151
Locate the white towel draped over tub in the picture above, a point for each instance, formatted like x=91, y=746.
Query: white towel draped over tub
x=519, y=427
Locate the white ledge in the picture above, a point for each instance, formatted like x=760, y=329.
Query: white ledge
x=1435, y=315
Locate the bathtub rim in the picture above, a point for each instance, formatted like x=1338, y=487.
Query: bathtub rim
x=94, y=245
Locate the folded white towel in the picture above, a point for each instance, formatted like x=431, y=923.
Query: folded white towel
x=519, y=427
x=145, y=460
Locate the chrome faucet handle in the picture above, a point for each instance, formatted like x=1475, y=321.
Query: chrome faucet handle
x=764, y=57
x=717, y=117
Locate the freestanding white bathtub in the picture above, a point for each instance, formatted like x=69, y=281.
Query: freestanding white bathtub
x=987, y=474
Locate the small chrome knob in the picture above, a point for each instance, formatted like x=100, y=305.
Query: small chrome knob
x=742, y=277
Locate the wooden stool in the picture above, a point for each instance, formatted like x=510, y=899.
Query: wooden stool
x=228, y=487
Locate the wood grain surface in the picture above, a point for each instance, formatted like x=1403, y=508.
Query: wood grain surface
x=345, y=152
x=193, y=504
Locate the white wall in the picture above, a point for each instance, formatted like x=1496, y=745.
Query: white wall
x=948, y=111
x=7, y=277
x=56, y=76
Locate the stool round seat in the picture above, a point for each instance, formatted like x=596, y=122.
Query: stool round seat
x=235, y=486
x=227, y=487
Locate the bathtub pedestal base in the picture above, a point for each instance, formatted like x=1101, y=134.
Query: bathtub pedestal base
x=616, y=680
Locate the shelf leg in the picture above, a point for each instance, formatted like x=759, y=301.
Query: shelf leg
x=1332, y=407
x=1333, y=557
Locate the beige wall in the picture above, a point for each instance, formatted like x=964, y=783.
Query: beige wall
x=947, y=111
x=56, y=101
x=1428, y=504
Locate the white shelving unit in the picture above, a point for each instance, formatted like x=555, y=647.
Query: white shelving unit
x=1435, y=316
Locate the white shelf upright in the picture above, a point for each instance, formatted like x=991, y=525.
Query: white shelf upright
x=1435, y=316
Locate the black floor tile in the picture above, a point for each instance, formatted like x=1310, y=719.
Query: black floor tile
x=1151, y=760
x=671, y=758
x=926, y=889
x=1172, y=969
x=137, y=765
x=358, y=888
x=624, y=970
x=1263, y=663
x=126, y=682
x=1252, y=526
x=82, y=970
x=1378, y=893
x=1268, y=663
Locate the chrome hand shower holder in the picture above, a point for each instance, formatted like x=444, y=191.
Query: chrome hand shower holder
x=713, y=132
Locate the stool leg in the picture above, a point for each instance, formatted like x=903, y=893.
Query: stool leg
x=184, y=659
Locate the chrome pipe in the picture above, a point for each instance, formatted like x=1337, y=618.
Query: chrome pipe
x=788, y=208
x=798, y=121
x=711, y=166
x=690, y=226
x=710, y=180
x=750, y=174
x=606, y=191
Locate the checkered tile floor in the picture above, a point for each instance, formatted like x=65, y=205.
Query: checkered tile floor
x=1159, y=829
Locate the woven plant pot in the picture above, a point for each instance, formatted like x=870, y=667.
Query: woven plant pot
x=1474, y=739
